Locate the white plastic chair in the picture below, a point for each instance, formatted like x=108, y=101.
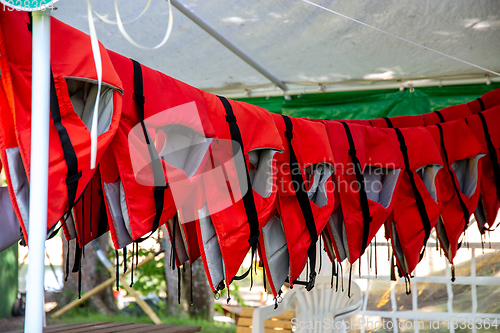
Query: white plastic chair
x=321, y=303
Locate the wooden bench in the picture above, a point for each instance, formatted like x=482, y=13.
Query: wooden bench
x=282, y=323
x=108, y=327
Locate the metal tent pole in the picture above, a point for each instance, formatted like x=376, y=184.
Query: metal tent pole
x=40, y=116
x=229, y=44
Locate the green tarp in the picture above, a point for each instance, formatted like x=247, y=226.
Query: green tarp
x=372, y=104
x=8, y=280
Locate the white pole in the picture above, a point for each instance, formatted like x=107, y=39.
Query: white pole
x=40, y=116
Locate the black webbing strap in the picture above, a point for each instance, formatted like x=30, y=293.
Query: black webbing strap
x=493, y=154
x=303, y=199
x=248, y=200
x=124, y=253
x=441, y=118
x=73, y=175
x=117, y=271
x=67, y=264
x=83, y=223
x=365, y=208
x=158, y=175
x=248, y=271
x=457, y=191
x=481, y=103
x=389, y=122
x=418, y=197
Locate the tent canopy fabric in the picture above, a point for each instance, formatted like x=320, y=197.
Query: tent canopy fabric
x=301, y=44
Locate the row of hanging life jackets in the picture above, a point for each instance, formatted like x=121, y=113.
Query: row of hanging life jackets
x=227, y=177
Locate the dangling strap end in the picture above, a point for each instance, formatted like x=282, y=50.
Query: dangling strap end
x=312, y=280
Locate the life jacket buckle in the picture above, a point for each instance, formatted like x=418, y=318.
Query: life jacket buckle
x=74, y=178
x=161, y=187
x=139, y=98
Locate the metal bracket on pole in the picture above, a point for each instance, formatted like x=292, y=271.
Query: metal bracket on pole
x=230, y=45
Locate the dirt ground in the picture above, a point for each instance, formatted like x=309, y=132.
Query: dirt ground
x=11, y=324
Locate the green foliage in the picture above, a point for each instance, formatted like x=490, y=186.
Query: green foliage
x=151, y=277
x=8, y=281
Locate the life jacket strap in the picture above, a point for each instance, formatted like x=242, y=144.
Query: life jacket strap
x=389, y=122
x=159, y=177
x=304, y=202
x=493, y=154
x=455, y=187
x=418, y=197
x=117, y=271
x=440, y=115
x=179, y=278
x=365, y=208
x=125, y=265
x=248, y=199
x=66, y=274
x=349, y=288
x=73, y=175
x=481, y=104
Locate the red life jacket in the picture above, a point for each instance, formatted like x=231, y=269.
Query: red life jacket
x=305, y=202
x=73, y=93
x=486, y=127
x=485, y=102
x=458, y=184
x=183, y=232
x=398, y=122
x=249, y=181
x=417, y=206
x=143, y=181
x=89, y=213
x=368, y=172
x=450, y=113
x=87, y=221
x=358, y=121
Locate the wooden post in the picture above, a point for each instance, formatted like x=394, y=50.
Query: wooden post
x=144, y=306
x=106, y=284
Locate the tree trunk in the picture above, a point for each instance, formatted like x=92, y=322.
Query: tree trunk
x=93, y=273
x=203, y=298
x=173, y=306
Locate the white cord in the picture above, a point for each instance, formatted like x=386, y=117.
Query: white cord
x=96, y=52
x=105, y=20
x=401, y=38
x=131, y=41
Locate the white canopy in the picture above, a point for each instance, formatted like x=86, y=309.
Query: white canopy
x=306, y=47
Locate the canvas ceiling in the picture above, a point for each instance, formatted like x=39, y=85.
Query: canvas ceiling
x=303, y=45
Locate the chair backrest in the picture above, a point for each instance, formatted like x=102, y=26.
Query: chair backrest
x=312, y=308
